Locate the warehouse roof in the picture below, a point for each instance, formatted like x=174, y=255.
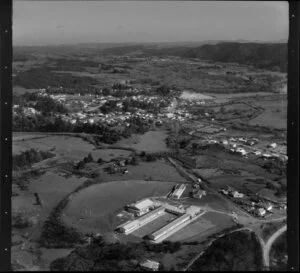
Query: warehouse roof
x=140, y=205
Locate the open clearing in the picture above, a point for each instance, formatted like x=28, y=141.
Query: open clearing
x=98, y=205
x=151, y=142
x=51, y=188
x=188, y=95
x=73, y=148
x=274, y=116
x=158, y=171
x=26, y=136
x=230, y=164
x=109, y=154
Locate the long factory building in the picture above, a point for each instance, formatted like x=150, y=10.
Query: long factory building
x=180, y=222
x=183, y=219
x=131, y=226
x=170, y=228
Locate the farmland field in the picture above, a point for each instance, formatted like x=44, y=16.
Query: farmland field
x=223, y=97
x=27, y=136
x=51, y=188
x=231, y=164
x=274, y=116
x=19, y=90
x=71, y=147
x=187, y=95
x=98, y=205
x=152, y=141
x=158, y=171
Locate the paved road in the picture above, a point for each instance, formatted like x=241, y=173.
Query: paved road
x=267, y=246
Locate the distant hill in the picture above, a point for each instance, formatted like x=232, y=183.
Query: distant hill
x=272, y=56
x=269, y=56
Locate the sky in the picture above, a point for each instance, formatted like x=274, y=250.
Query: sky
x=65, y=22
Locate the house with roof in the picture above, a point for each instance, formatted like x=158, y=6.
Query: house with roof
x=150, y=265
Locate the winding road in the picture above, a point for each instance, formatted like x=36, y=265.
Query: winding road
x=268, y=245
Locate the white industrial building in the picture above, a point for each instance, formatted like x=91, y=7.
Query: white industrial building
x=131, y=226
x=170, y=228
x=179, y=189
x=141, y=207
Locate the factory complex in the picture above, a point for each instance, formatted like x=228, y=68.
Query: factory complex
x=151, y=211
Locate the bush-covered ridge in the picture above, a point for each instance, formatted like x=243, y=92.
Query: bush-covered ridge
x=260, y=55
x=100, y=256
x=238, y=251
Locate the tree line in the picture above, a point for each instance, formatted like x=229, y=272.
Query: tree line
x=27, y=158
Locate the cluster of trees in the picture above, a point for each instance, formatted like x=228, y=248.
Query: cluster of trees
x=163, y=90
x=27, y=158
x=238, y=251
x=269, y=56
x=99, y=256
x=120, y=86
x=279, y=252
x=276, y=166
x=81, y=164
x=106, y=91
x=106, y=134
x=19, y=221
x=281, y=191
x=130, y=105
x=109, y=106
x=44, y=104
x=40, y=123
x=55, y=234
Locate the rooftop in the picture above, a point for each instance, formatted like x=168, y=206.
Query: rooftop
x=140, y=205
